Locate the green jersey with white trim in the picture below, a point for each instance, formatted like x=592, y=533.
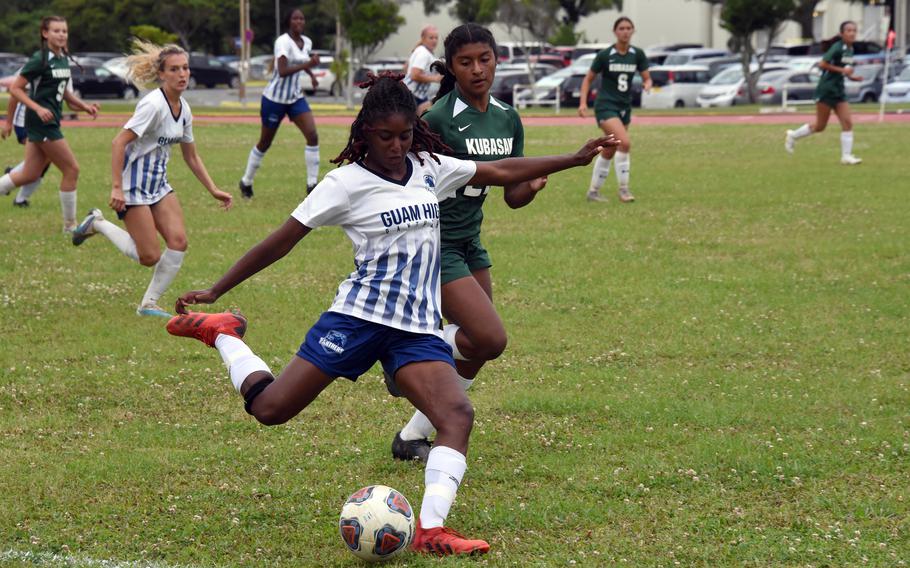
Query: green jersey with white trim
x=48, y=84
x=831, y=83
x=617, y=70
x=478, y=136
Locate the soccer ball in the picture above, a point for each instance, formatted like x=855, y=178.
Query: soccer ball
x=376, y=523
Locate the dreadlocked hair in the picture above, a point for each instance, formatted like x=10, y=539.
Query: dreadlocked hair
x=387, y=95
x=457, y=38
x=46, y=25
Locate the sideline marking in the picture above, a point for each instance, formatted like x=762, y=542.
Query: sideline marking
x=74, y=561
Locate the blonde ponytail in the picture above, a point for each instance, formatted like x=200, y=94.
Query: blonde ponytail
x=148, y=59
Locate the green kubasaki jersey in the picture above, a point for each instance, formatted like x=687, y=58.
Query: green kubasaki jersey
x=478, y=136
x=48, y=83
x=617, y=71
x=831, y=84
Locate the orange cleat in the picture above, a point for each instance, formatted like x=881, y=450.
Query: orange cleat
x=443, y=541
x=206, y=327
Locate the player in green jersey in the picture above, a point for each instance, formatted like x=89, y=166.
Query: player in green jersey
x=836, y=64
x=48, y=72
x=476, y=127
x=617, y=66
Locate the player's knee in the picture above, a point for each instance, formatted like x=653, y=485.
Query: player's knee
x=149, y=258
x=490, y=345
x=820, y=127
x=177, y=242
x=459, y=418
x=625, y=145
x=847, y=126
x=270, y=414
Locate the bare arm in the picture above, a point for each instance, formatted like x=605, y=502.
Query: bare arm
x=511, y=171
x=846, y=71
x=76, y=103
x=272, y=249
x=285, y=69
x=422, y=76
x=118, y=155
x=585, y=89
x=17, y=90
x=521, y=194
x=646, y=82
x=194, y=162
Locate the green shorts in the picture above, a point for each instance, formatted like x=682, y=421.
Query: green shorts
x=461, y=258
x=623, y=114
x=44, y=133
x=831, y=101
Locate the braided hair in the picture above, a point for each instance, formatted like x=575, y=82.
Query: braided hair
x=457, y=38
x=46, y=25
x=387, y=95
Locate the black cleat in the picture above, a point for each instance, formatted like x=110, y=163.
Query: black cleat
x=412, y=450
x=21, y=203
x=310, y=188
x=8, y=169
x=246, y=191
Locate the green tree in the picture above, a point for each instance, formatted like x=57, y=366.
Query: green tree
x=366, y=25
x=743, y=19
x=481, y=12
x=575, y=10
x=153, y=34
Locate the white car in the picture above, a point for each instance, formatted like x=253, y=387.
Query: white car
x=326, y=81
x=726, y=88
x=898, y=91
x=675, y=86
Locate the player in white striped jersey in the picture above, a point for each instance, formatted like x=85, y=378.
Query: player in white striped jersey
x=141, y=194
x=283, y=96
x=15, y=120
x=388, y=309
x=423, y=83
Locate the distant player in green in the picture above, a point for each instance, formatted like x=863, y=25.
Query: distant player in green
x=836, y=64
x=477, y=127
x=617, y=66
x=48, y=72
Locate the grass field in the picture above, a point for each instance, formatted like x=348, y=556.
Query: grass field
x=714, y=375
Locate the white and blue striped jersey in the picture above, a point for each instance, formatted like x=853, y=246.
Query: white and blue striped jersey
x=286, y=90
x=421, y=58
x=394, y=227
x=19, y=115
x=145, y=163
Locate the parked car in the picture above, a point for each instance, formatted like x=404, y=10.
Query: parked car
x=209, y=71
x=898, y=91
x=523, y=65
x=507, y=50
x=588, y=49
x=8, y=70
x=117, y=66
x=506, y=79
x=565, y=83
x=726, y=88
x=658, y=53
x=798, y=85
x=553, y=60
x=98, y=55
x=91, y=82
x=325, y=78
x=694, y=56
x=869, y=88
x=675, y=86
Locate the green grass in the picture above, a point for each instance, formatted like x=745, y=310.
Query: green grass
x=714, y=375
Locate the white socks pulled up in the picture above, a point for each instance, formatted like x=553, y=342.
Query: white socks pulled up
x=252, y=165
x=165, y=271
x=311, y=156
x=600, y=173
x=239, y=359
x=444, y=472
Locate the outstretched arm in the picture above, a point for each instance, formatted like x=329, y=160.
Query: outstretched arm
x=511, y=171
x=194, y=162
x=272, y=249
x=521, y=194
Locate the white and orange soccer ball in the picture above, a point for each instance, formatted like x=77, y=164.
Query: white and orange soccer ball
x=377, y=523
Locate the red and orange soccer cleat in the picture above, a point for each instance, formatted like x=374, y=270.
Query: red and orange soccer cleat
x=443, y=541
x=206, y=327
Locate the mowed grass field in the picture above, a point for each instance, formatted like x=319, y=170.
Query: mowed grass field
x=715, y=375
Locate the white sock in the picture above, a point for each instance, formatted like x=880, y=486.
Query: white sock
x=419, y=426
x=448, y=335
x=600, y=173
x=239, y=359
x=165, y=271
x=623, y=165
x=68, y=205
x=444, y=472
x=846, y=143
x=252, y=164
x=121, y=239
x=6, y=185
x=311, y=156
x=27, y=190
x=802, y=132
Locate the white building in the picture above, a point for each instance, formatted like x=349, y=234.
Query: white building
x=663, y=21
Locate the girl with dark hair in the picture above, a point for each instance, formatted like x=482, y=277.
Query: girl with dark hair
x=617, y=65
x=476, y=127
x=388, y=309
x=283, y=96
x=836, y=64
x=140, y=192
x=48, y=72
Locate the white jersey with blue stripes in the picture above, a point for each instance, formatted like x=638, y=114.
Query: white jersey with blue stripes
x=394, y=227
x=286, y=90
x=19, y=116
x=145, y=164
x=421, y=58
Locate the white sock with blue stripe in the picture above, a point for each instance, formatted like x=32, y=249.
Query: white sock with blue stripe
x=252, y=165
x=444, y=472
x=623, y=165
x=599, y=174
x=239, y=359
x=165, y=271
x=311, y=156
x=121, y=239
x=68, y=206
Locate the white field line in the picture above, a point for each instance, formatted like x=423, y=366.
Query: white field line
x=77, y=561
